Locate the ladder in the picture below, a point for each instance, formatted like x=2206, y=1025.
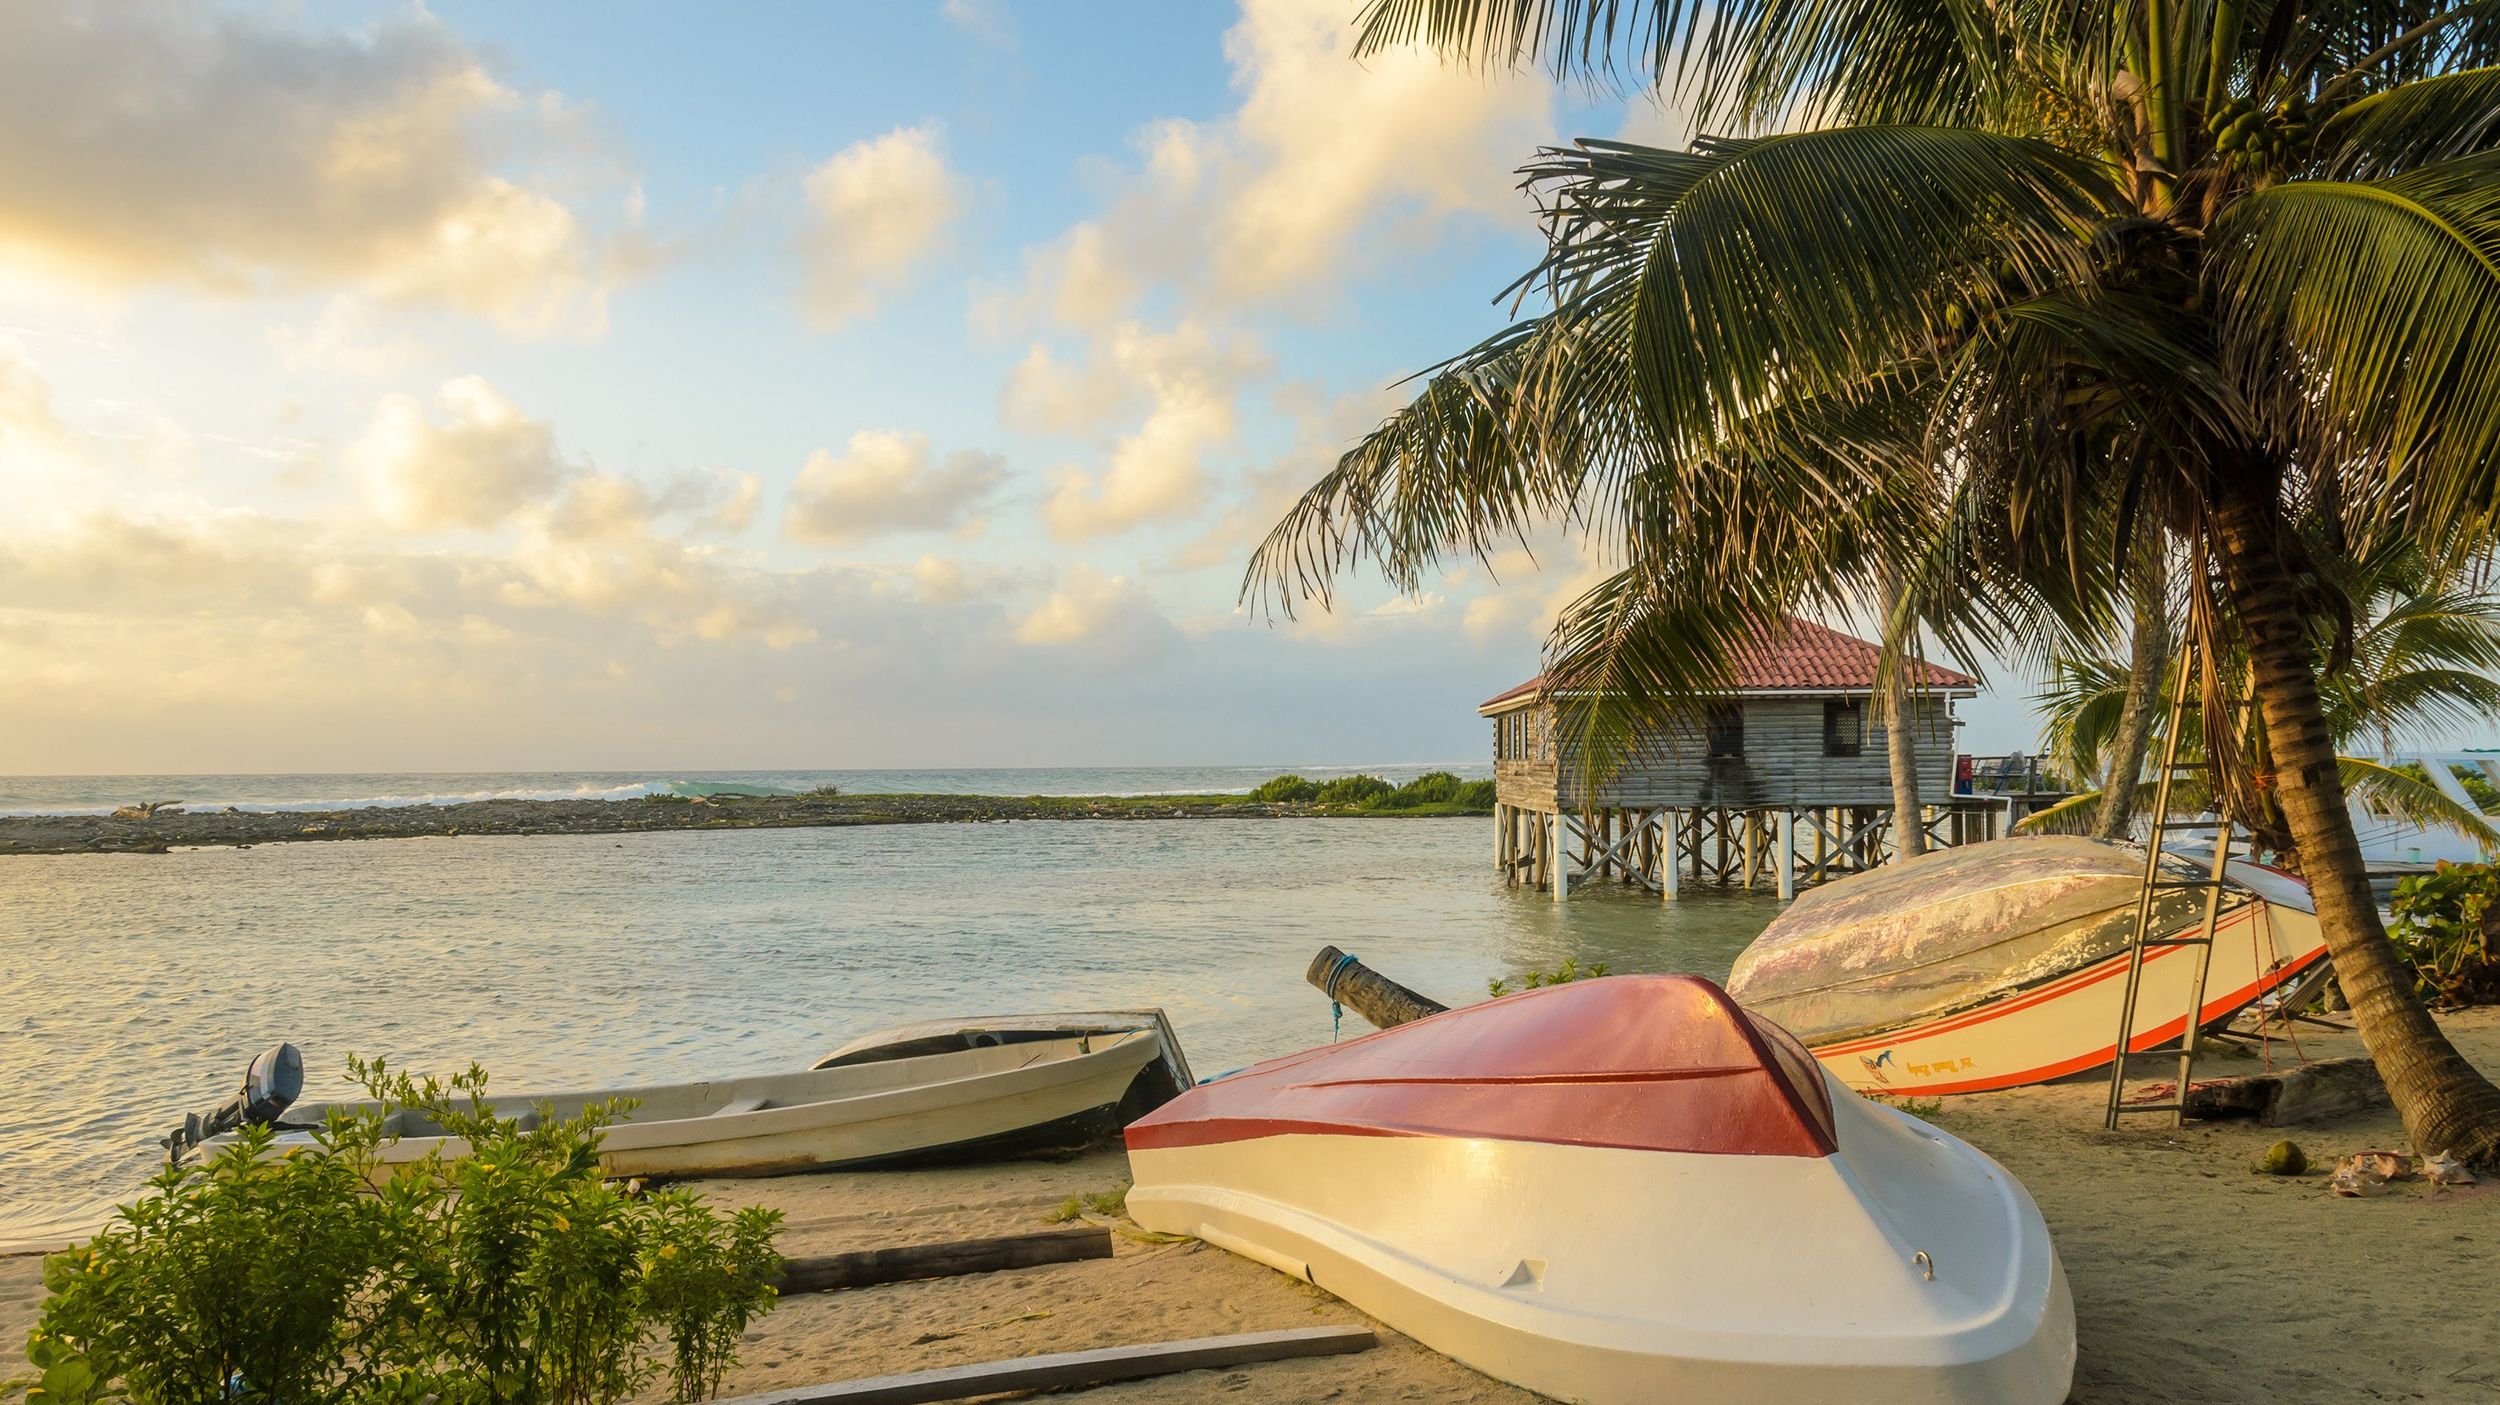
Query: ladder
x=2147, y=939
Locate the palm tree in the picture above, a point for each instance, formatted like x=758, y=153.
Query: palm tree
x=2422, y=659
x=2148, y=654
x=1909, y=812
x=1972, y=293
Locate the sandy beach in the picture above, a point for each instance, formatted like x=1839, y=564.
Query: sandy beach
x=2195, y=1279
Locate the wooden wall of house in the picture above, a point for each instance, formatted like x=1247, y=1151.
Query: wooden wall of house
x=1783, y=765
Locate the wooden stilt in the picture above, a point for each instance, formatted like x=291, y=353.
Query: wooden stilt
x=1671, y=863
x=1788, y=855
x=1562, y=861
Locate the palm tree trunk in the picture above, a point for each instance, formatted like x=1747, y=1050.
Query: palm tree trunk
x=1909, y=817
x=2150, y=653
x=2447, y=1105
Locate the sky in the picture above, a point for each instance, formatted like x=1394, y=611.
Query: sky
x=558, y=386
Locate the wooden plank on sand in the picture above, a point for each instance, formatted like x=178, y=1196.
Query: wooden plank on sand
x=868, y=1267
x=1076, y=1369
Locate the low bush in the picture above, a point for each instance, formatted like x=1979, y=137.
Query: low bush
x=1430, y=788
x=1358, y=792
x=1570, y=970
x=513, y=1276
x=1282, y=789
x=2448, y=925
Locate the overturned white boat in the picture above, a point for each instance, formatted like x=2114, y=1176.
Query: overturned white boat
x=1999, y=964
x=938, y=1091
x=1623, y=1191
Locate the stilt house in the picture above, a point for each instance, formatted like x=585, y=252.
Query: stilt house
x=1794, y=743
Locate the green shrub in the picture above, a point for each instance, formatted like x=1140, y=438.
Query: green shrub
x=1570, y=970
x=1358, y=792
x=1284, y=788
x=1430, y=788
x=513, y=1276
x=2478, y=787
x=2448, y=925
x=1477, y=795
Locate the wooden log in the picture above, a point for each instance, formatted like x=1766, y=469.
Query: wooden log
x=1367, y=992
x=1068, y=1370
x=868, y=1267
x=2318, y=1092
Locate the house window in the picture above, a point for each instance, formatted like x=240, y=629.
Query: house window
x=1844, y=726
x=1726, y=725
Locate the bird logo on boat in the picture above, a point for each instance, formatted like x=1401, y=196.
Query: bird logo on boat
x=1875, y=1065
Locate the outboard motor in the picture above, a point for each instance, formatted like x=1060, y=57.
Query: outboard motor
x=271, y=1083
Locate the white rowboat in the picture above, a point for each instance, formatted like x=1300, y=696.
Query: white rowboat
x=892, y=1098
x=2000, y=964
x=1623, y=1191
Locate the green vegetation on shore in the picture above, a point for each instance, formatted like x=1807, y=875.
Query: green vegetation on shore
x=1432, y=793
x=515, y=1275
x=161, y=829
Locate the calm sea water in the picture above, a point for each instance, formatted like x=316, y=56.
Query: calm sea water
x=69, y=795
x=134, y=987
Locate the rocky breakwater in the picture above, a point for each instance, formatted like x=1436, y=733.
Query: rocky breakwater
x=157, y=829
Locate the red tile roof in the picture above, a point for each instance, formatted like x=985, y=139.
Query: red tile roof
x=1798, y=655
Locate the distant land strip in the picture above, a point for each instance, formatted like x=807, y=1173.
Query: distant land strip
x=169, y=828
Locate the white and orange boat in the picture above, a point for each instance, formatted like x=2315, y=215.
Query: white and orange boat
x=1624, y=1190
x=1995, y=965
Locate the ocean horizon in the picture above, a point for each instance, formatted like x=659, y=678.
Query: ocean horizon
x=356, y=790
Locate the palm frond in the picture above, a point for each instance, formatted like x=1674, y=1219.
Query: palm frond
x=1805, y=263
x=1752, y=63
x=2388, y=294
x=2435, y=119
x=2073, y=815
x=2083, y=705
x=2413, y=800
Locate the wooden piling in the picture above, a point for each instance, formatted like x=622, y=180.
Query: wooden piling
x=1366, y=992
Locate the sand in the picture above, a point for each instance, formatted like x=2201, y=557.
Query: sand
x=2195, y=1280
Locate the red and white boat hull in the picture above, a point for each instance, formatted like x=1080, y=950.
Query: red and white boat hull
x=1996, y=965
x=1695, y=1217
x=2070, y=1024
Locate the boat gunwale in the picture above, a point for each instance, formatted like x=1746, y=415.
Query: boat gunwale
x=717, y=1126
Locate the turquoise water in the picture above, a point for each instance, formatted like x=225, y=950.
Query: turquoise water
x=134, y=987
x=59, y=795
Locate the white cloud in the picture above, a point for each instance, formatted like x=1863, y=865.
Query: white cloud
x=1128, y=367
x=982, y=19
x=887, y=480
x=237, y=153
x=346, y=338
x=1186, y=380
x=1325, y=147
x=1525, y=592
x=1324, y=166
x=1155, y=474
x=26, y=415
x=1324, y=428
x=876, y=211
x=474, y=468
x=1110, y=615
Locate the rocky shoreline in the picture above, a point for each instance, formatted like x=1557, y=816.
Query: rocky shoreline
x=142, y=831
